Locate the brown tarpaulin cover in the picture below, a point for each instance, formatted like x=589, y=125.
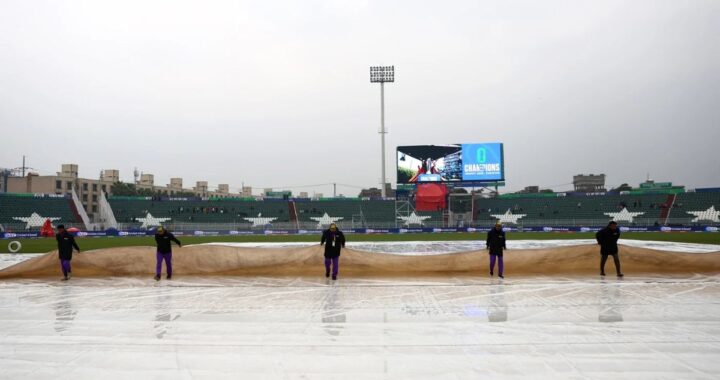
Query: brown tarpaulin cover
x=308, y=261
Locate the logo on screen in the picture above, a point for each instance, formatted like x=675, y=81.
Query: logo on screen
x=481, y=155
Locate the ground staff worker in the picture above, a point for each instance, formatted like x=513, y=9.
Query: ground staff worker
x=495, y=244
x=607, y=238
x=334, y=240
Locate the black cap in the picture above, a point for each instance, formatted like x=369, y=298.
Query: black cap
x=61, y=226
x=612, y=222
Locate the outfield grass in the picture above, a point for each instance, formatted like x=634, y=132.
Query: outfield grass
x=88, y=243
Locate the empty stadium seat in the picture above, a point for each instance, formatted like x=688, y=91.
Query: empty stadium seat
x=701, y=204
x=572, y=210
x=127, y=210
x=25, y=205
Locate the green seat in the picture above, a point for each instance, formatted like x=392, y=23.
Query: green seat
x=24, y=205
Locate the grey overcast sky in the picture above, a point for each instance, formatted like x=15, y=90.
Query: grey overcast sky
x=277, y=93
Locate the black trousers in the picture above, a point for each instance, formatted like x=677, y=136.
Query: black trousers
x=616, y=259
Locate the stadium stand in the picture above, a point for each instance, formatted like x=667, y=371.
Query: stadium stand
x=29, y=211
x=379, y=213
x=538, y=209
x=572, y=210
x=699, y=207
x=350, y=211
x=357, y=213
x=543, y=209
x=127, y=210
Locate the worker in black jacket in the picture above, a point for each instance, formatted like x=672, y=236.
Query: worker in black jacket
x=334, y=240
x=164, y=239
x=607, y=238
x=66, y=243
x=496, y=244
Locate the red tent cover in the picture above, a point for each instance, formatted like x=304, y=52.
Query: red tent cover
x=431, y=197
x=47, y=229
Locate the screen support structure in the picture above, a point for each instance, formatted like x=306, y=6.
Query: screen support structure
x=382, y=74
x=403, y=207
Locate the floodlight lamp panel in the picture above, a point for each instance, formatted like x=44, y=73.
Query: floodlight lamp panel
x=380, y=74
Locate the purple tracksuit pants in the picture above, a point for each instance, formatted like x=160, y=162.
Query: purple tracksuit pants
x=65, y=266
x=500, y=263
x=335, y=265
x=167, y=257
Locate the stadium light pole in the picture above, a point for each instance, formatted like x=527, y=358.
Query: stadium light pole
x=382, y=74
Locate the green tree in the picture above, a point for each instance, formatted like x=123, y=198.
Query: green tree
x=185, y=194
x=623, y=187
x=123, y=189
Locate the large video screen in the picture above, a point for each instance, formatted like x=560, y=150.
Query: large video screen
x=470, y=163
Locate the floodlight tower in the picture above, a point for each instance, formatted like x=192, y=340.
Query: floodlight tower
x=382, y=74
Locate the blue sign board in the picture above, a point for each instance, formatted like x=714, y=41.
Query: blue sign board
x=482, y=162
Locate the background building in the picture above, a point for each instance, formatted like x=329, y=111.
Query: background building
x=590, y=183
x=89, y=190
